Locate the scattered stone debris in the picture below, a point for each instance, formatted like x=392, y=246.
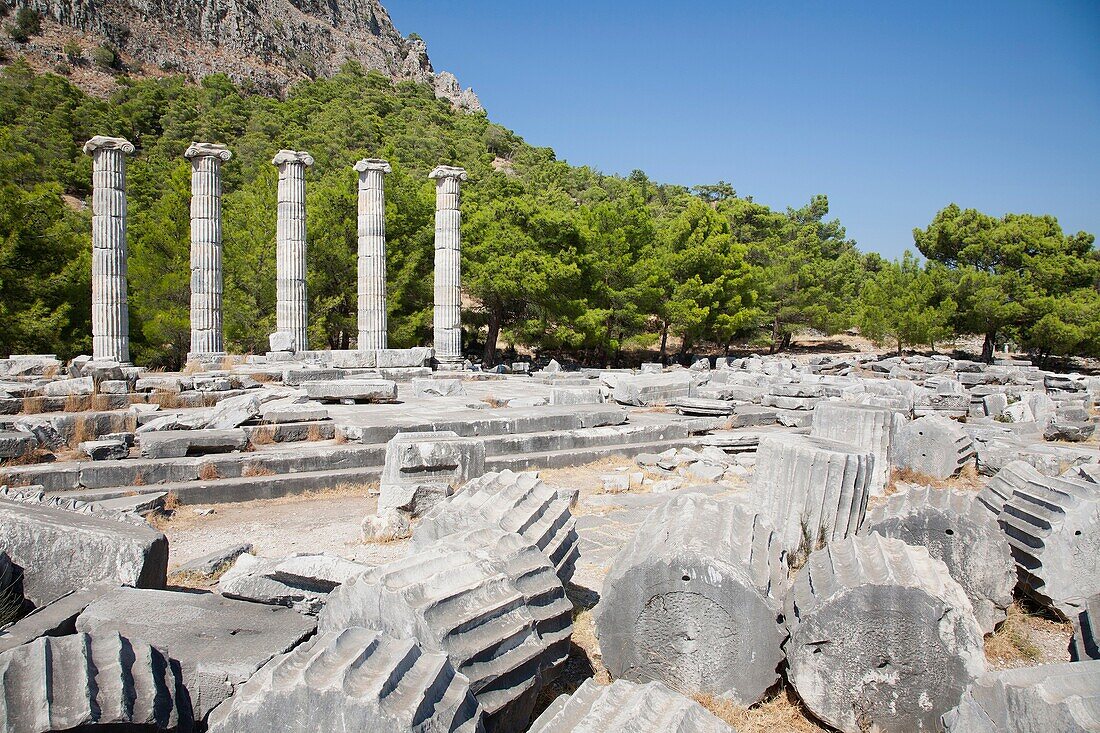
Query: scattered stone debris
x=881, y=512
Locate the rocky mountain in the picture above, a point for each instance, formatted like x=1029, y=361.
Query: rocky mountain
x=267, y=44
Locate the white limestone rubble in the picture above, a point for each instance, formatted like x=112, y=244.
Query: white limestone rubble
x=961, y=533
x=91, y=681
x=1053, y=528
x=513, y=502
x=489, y=599
x=1044, y=699
x=627, y=707
x=350, y=681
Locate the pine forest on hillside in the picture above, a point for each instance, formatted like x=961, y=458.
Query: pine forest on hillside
x=559, y=259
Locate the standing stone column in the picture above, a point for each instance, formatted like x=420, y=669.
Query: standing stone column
x=291, y=306
x=110, y=312
x=372, y=253
x=206, y=247
x=448, y=265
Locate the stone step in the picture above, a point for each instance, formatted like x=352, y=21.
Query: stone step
x=248, y=488
x=281, y=459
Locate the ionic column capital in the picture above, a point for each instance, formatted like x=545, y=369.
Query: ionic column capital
x=284, y=157
x=102, y=142
x=205, y=150
x=373, y=164
x=447, y=171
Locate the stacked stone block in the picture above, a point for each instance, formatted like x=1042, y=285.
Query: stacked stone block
x=864, y=426
x=448, y=265
x=291, y=299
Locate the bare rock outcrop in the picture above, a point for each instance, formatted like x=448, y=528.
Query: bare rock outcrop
x=269, y=44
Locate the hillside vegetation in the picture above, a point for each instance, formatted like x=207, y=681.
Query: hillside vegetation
x=557, y=258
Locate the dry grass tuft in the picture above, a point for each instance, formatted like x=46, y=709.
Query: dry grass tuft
x=200, y=581
x=251, y=470
x=583, y=509
x=160, y=518
x=585, y=642
x=33, y=405
x=313, y=433
x=806, y=545
x=341, y=437
x=100, y=402
x=208, y=472
x=1012, y=645
x=263, y=435
x=192, y=579
x=968, y=480
x=38, y=455
x=82, y=431
x=167, y=400
x=77, y=403
x=492, y=401
x=139, y=480
x=782, y=712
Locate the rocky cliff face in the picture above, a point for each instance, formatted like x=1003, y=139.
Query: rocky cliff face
x=267, y=43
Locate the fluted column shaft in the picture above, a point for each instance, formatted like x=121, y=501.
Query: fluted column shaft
x=292, y=304
x=448, y=264
x=372, y=253
x=110, y=310
x=206, y=248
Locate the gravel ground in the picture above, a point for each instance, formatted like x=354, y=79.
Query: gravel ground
x=327, y=522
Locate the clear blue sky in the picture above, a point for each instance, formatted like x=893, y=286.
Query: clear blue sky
x=891, y=109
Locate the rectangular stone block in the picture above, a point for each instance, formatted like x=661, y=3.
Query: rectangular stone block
x=219, y=642
x=61, y=550
x=180, y=443
x=651, y=389
x=359, y=390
